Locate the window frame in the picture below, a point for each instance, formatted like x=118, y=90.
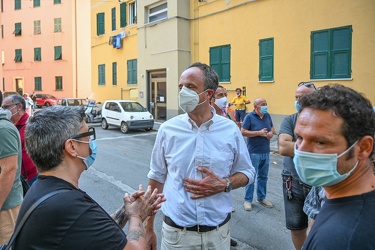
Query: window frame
x=17, y=29
x=58, y=83
x=36, y=3
x=57, y=25
x=132, y=69
x=114, y=73
x=266, y=56
x=100, y=23
x=150, y=16
x=56, y=1
x=113, y=19
x=38, y=83
x=18, y=55
x=322, y=60
x=17, y=4
x=37, y=29
x=132, y=13
x=101, y=75
x=222, y=64
x=58, y=53
x=38, y=54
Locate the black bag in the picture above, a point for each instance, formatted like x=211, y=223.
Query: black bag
x=25, y=186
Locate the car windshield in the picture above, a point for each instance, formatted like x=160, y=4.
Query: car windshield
x=132, y=107
x=49, y=96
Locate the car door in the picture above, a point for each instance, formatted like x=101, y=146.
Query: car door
x=113, y=114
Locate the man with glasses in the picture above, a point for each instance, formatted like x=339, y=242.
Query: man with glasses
x=10, y=168
x=294, y=190
x=16, y=104
x=72, y=219
x=335, y=138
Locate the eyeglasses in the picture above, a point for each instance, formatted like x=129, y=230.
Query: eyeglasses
x=307, y=84
x=7, y=106
x=91, y=133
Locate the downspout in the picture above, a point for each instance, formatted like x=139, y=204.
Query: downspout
x=75, y=44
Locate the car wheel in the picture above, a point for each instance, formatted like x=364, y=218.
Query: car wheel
x=47, y=104
x=148, y=129
x=104, y=124
x=124, y=127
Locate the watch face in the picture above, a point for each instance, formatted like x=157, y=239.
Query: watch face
x=228, y=188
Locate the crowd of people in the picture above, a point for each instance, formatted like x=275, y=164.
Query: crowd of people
x=328, y=175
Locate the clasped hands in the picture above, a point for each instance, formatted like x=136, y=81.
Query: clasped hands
x=211, y=184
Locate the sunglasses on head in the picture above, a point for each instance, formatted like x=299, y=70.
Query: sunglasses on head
x=307, y=84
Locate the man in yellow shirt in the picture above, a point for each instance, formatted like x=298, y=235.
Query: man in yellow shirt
x=239, y=103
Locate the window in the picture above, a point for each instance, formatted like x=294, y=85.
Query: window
x=37, y=83
x=220, y=62
x=36, y=3
x=331, y=53
x=17, y=29
x=114, y=74
x=57, y=24
x=58, y=53
x=132, y=13
x=17, y=4
x=58, y=83
x=132, y=71
x=113, y=19
x=18, y=56
x=37, y=27
x=101, y=74
x=56, y=1
x=37, y=54
x=122, y=15
x=266, y=59
x=158, y=12
x=100, y=24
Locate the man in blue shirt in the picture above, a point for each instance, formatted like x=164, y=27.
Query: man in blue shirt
x=258, y=127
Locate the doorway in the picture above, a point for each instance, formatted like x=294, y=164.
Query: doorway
x=158, y=95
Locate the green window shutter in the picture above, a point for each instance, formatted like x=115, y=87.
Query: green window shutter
x=18, y=56
x=37, y=54
x=38, y=83
x=134, y=72
x=220, y=62
x=17, y=29
x=57, y=24
x=113, y=19
x=58, y=83
x=36, y=3
x=341, y=52
x=101, y=74
x=266, y=59
x=17, y=4
x=58, y=53
x=319, y=55
x=56, y=1
x=130, y=69
x=100, y=24
x=122, y=15
x=114, y=74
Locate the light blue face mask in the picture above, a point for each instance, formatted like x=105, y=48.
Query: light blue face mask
x=319, y=169
x=297, y=106
x=263, y=109
x=89, y=160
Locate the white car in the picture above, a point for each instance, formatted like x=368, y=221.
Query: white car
x=126, y=114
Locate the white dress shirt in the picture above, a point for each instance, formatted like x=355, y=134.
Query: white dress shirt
x=180, y=147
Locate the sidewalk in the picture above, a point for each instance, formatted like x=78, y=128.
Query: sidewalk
x=273, y=140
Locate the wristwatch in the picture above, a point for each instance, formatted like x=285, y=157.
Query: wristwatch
x=228, y=187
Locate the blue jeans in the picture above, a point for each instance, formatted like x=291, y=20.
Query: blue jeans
x=240, y=115
x=261, y=163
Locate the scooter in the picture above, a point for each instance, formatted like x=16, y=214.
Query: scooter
x=93, y=112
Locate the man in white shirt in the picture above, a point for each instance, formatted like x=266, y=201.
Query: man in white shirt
x=198, y=157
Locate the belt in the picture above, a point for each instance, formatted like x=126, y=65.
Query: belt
x=196, y=228
x=241, y=109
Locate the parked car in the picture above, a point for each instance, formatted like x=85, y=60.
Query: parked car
x=45, y=100
x=127, y=115
x=93, y=112
x=72, y=102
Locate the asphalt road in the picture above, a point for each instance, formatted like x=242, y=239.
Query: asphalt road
x=123, y=162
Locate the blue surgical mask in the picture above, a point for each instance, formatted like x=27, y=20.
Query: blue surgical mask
x=297, y=106
x=89, y=160
x=263, y=109
x=319, y=169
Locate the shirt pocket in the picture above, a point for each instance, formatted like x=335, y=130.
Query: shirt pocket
x=221, y=163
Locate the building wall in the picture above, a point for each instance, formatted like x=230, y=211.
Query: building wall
x=164, y=44
x=243, y=23
x=47, y=68
x=103, y=53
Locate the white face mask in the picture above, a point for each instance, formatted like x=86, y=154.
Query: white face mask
x=222, y=102
x=189, y=99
